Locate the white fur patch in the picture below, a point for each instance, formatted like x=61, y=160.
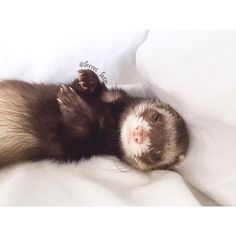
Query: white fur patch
x=130, y=147
x=132, y=150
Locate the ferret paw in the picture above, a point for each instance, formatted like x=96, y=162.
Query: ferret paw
x=87, y=80
x=66, y=97
x=76, y=113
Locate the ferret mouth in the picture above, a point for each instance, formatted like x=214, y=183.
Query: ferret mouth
x=134, y=142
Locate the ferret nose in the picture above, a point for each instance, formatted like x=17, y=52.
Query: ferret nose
x=139, y=134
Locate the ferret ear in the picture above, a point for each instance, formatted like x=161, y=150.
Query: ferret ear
x=77, y=115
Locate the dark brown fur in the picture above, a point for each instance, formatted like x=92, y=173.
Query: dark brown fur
x=72, y=121
x=82, y=126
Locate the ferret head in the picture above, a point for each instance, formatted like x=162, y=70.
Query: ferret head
x=153, y=136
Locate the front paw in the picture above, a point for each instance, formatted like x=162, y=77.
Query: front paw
x=86, y=80
x=76, y=113
x=67, y=98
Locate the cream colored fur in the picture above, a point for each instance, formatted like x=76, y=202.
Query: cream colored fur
x=15, y=136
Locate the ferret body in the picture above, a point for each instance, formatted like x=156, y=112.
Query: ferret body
x=78, y=120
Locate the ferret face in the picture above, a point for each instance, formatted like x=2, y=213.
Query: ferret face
x=153, y=136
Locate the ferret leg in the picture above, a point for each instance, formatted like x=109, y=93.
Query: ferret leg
x=77, y=114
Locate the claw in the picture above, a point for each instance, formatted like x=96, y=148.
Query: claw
x=82, y=84
x=64, y=88
x=71, y=89
x=59, y=100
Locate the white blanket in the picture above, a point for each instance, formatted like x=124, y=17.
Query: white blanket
x=195, y=72
x=101, y=180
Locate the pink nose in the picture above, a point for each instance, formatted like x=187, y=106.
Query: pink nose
x=139, y=134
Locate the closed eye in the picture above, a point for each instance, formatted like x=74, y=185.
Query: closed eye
x=157, y=118
x=154, y=156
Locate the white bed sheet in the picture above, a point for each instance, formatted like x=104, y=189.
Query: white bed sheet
x=101, y=181
x=194, y=71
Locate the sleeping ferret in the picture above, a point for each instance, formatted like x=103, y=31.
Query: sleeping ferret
x=78, y=120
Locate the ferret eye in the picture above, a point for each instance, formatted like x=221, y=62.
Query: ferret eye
x=156, y=117
x=155, y=156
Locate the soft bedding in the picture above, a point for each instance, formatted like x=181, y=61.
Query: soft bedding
x=45, y=55
x=101, y=181
x=195, y=72
x=167, y=65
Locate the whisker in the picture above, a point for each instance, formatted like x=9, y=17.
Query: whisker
x=128, y=170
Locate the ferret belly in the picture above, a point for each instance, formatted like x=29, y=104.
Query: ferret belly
x=16, y=138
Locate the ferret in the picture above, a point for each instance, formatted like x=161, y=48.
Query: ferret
x=66, y=123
